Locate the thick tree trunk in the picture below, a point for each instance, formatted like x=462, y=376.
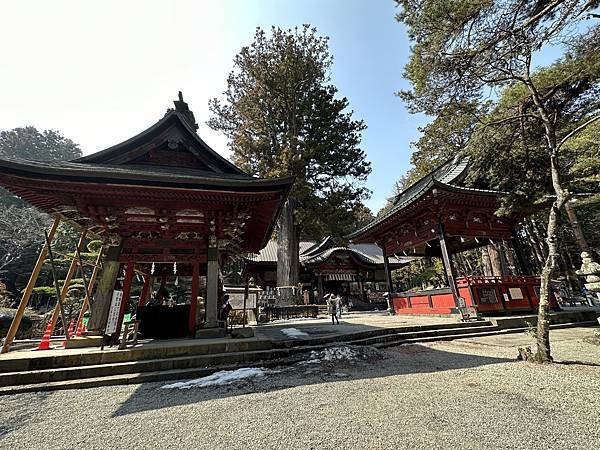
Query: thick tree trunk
x=495, y=260
x=510, y=259
x=288, y=248
x=535, y=248
x=539, y=239
x=577, y=231
x=543, y=354
x=486, y=262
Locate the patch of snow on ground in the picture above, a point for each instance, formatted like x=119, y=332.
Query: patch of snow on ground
x=221, y=378
x=293, y=332
x=341, y=353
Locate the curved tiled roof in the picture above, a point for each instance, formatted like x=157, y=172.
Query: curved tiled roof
x=312, y=252
x=137, y=175
x=449, y=175
x=173, y=118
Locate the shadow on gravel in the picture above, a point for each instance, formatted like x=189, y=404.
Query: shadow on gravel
x=397, y=361
x=22, y=419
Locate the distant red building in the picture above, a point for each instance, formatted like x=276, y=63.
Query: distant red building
x=440, y=216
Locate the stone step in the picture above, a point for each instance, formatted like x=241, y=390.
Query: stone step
x=492, y=331
x=204, y=362
x=424, y=334
x=351, y=337
x=128, y=378
x=50, y=359
x=190, y=366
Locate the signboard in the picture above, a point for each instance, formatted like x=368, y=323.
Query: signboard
x=516, y=293
x=487, y=295
x=113, y=313
x=236, y=300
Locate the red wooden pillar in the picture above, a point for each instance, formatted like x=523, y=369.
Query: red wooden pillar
x=194, y=300
x=126, y=290
x=145, y=291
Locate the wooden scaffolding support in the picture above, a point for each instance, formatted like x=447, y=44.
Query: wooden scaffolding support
x=14, y=326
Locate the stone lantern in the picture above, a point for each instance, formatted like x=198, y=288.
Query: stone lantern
x=590, y=270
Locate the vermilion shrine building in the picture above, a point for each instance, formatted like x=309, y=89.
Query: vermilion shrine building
x=159, y=198
x=440, y=216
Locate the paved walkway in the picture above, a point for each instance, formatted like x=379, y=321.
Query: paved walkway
x=353, y=322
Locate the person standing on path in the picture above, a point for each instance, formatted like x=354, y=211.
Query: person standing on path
x=333, y=307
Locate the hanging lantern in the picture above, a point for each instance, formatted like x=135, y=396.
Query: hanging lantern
x=176, y=281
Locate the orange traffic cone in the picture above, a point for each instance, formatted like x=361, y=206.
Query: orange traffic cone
x=79, y=331
x=70, y=331
x=45, y=342
x=71, y=328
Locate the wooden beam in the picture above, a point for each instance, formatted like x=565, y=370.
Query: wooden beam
x=65, y=288
x=90, y=289
x=55, y=279
x=14, y=326
x=106, y=284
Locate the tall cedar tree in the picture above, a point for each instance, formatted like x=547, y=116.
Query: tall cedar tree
x=282, y=117
x=463, y=49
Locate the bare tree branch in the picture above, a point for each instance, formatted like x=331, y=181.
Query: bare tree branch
x=576, y=130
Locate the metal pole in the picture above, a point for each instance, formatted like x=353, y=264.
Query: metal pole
x=14, y=326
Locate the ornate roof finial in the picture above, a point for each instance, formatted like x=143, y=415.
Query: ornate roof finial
x=182, y=107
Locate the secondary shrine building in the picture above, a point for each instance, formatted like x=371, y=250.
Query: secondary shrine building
x=440, y=216
x=168, y=208
x=355, y=271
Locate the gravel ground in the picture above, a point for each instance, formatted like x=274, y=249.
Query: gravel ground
x=467, y=394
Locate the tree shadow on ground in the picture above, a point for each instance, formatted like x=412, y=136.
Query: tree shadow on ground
x=397, y=361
